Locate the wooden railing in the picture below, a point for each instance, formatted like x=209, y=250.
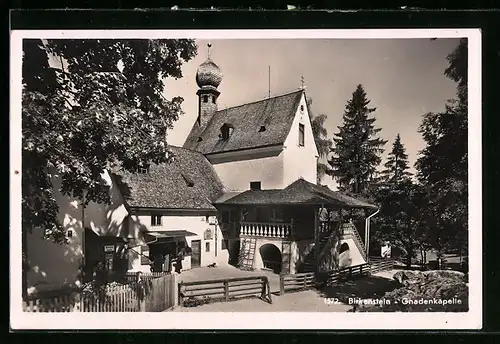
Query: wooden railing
x=296, y=282
x=308, y=280
x=266, y=229
x=334, y=277
x=199, y=292
x=149, y=295
x=349, y=229
x=378, y=264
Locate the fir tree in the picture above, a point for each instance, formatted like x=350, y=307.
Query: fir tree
x=357, y=148
x=396, y=167
x=443, y=164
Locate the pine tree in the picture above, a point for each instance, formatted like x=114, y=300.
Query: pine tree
x=356, y=149
x=396, y=167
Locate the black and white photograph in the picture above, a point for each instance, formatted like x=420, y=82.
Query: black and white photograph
x=232, y=179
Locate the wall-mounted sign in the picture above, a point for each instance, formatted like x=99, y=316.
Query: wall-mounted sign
x=109, y=248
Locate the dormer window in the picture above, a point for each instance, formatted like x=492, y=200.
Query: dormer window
x=205, y=99
x=301, y=134
x=226, y=131
x=199, y=139
x=262, y=128
x=255, y=186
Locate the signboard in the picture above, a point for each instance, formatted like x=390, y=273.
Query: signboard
x=385, y=251
x=109, y=248
x=212, y=220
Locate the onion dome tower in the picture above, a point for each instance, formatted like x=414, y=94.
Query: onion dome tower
x=208, y=78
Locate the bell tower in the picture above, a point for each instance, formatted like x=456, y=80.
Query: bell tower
x=208, y=78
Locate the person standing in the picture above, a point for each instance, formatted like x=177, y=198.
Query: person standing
x=178, y=263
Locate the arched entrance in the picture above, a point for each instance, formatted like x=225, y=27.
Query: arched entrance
x=271, y=257
x=344, y=256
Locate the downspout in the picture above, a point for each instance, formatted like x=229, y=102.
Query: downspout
x=367, y=233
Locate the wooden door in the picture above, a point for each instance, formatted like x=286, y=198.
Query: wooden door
x=196, y=253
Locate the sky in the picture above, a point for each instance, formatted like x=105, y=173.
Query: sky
x=403, y=78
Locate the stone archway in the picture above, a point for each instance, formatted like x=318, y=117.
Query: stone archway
x=271, y=257
x=345, y=259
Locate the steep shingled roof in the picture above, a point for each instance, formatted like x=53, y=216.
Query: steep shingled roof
x=275, y=114
x=299, y=192
x=189, y=182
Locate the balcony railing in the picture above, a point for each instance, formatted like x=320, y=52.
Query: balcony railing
x=266, y=229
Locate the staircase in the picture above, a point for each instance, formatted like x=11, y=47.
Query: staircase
x=247, y=253
x=309, y=263
x=349, y=230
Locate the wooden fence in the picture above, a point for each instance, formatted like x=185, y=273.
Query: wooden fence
x=195, y=293
x=296, y=282
x=150, y=295
x=131, y=277
x=334, y=277
x=378, y=264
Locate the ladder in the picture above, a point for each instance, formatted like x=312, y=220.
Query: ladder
x=247, y=253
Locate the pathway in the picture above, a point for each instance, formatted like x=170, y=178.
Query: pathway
x=303, y=301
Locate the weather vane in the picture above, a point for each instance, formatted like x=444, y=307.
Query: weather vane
x=302, y=82
x=209, y=45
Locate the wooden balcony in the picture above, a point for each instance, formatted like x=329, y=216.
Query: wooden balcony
x=266, y=229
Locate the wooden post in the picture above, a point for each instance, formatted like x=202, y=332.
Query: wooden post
x=181, y=297
x=305, y=282
x=316, y=238
x=226, y=290
x=282, y=284
x=361, y=269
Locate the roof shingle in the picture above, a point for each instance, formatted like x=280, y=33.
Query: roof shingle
x=299, y=192
x=189, y=182
x=262, y=123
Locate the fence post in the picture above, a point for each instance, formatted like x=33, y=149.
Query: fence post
x=175, y=291
x=282, y=284
x=305, y=281
x=226, y=290
x=350, y=272
x=181, y=298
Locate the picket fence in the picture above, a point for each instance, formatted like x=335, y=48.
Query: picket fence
x=152, y=294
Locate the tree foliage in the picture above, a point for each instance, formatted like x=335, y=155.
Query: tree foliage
x=443, y=164
x=397, y=165
x=323, y=143
x=102, y=106
x=357, y=148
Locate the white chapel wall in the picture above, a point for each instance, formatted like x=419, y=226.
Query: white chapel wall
x=196, y=224
x=300, y=161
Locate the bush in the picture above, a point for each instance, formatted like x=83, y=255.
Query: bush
x=426, y=291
